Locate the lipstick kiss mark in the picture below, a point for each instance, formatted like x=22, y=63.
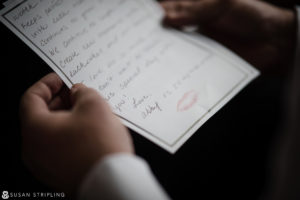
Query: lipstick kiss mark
x=187, y=101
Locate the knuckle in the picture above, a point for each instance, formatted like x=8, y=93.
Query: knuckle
x=90, y=102
x=90, y=97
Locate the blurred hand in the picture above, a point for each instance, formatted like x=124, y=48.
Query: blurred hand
x=61, y=142
x=258, y=31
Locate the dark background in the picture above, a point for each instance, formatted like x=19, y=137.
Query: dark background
x=228, y=157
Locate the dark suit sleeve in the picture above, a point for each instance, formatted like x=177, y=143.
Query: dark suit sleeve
x=288, y=161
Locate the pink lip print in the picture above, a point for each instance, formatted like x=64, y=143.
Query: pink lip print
x=187, y=101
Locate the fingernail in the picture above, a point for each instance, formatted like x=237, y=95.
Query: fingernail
x=73, y=89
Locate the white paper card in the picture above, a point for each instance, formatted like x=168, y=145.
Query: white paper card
x=161, y=83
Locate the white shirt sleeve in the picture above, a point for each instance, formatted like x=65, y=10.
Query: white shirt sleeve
x=121, y=177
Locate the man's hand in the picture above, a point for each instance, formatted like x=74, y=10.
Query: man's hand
x=260, y=32
x=61, y=142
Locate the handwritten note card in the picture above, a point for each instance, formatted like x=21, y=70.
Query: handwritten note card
x=161, y=83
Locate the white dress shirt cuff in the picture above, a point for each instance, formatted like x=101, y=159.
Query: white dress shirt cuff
x=121, y=177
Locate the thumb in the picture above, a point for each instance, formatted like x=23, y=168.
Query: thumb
x=86, y=98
